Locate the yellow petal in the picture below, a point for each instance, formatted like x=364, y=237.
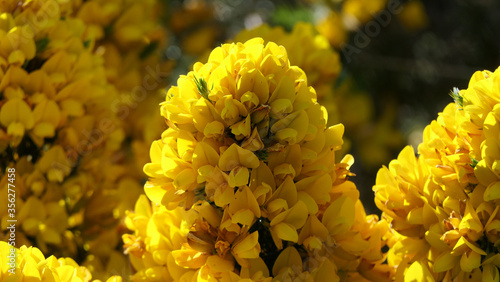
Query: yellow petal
x=285, y=90
x=418, y=272
x=285, y=231
x=16, y=110
x=445, y=262
x=154, y=192
x=254, y=82
x=44, y=129
x=289, y=257
x=318, y=187
x=256, y=267
x=190, y=258
x=469, y=261
x=185, y=180
x=253, y=142
x=236, y=156
x=334, y=136
x=248, y=248
x=213, y=129
x=238, y=177
x=490, y=273
x=492, y=191
x=185, y=145
x=339, y=216
x=218, y=264
x=204, y=154
x=326, y=272
x=16, y=57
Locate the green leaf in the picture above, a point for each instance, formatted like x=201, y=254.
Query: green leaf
x=202, y=86
x=474, y=162
x=455, y=94
x=287, y=16
x=42, y=44
x=262, y=155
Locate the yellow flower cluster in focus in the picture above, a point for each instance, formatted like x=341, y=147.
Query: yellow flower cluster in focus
x=345, y=104
x=247, y=178
x=31, y=265
x=444, y=204
x=307, y=49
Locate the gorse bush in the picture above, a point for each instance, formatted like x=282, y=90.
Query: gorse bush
x=248, y=175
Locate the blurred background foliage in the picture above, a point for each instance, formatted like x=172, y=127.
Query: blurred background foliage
x=399, y=59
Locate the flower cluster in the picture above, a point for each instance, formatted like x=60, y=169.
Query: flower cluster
x=444, y=204
x=128, y=35
x=344, y=102
x=31, y=265
x=306, y=49
x=247, y=180
x=194, y=26
x=66, y=68
x=51, y=114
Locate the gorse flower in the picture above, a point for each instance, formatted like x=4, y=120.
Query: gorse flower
x=244, y=182
x=48, y=112
x=29, y=264
x=306, y=49
x=445, y=203
x=347, y=16
x=69, y=72
x=344, y=102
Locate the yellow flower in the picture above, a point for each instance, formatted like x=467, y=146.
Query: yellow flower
x=62, y=125
x=413, y=16
x=361, y=11
x=305, y=48
x=15, y=46
x=333, y=29
x=28, y=263
x=193, y=23
x=248, y=157
x=17, y=117
x=443, y=202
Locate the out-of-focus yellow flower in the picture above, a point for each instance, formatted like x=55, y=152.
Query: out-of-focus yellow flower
x=361, y=11
x=193, y=23
x=413, y=16
x=49, y=106
x=29, y=264
x=443, y=203
x=347, y=16
x=248, y=157
x=69, y=84
x=333, y=29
